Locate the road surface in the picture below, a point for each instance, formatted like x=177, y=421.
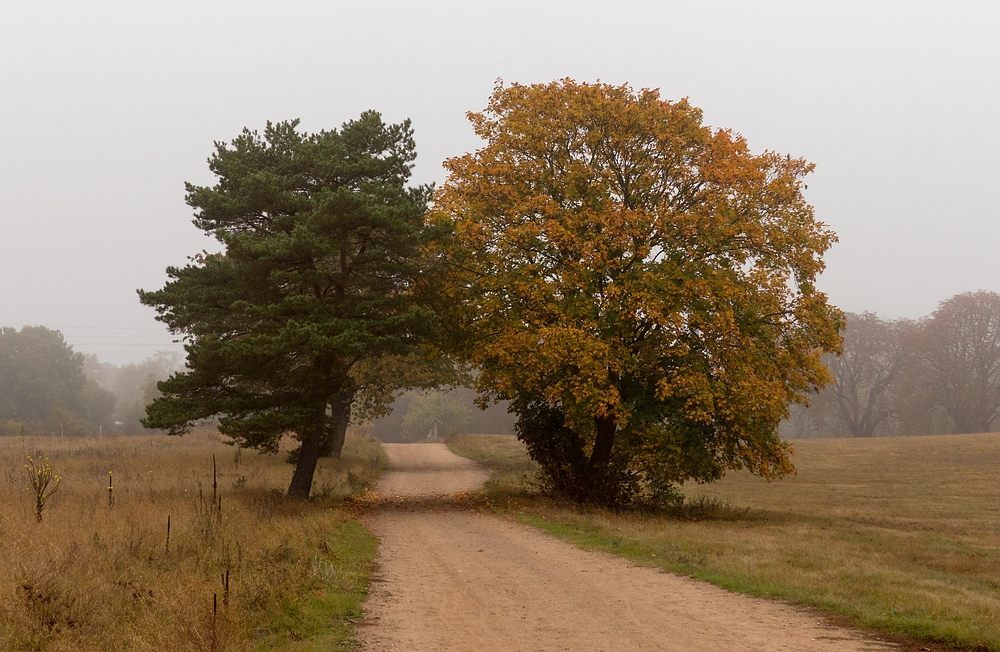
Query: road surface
x=449, y=578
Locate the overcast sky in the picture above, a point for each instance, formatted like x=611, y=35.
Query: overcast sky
x=108, y=108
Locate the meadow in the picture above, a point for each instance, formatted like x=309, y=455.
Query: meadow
x=897, y=535
x=242, y=567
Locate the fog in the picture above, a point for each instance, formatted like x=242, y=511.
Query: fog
x=108, y=108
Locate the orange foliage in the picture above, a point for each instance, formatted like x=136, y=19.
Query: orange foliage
x=615, y=258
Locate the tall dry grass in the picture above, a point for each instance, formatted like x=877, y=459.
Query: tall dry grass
x=97, y=574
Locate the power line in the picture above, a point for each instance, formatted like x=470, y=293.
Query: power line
x=111, y=340
x=158, y=338
x=116, y=344
x=106, y=328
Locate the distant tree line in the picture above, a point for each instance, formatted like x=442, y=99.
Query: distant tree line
x=133, y=386
x=43, y=386
x=46, y=387
x=939, y=374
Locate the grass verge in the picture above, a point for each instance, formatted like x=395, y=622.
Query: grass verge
x=899, y=536
x=243, y=567
x=514, y=471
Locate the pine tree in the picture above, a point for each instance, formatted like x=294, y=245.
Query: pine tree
x=321, y=238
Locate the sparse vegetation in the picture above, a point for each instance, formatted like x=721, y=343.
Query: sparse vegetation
x=169, y=567
x=897, y=534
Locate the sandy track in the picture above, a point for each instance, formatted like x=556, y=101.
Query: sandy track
x=451, y=579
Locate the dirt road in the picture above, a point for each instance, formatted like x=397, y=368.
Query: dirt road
x=450, y=579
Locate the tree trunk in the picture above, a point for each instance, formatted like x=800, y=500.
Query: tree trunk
x=603, y=443
x=335, y=427
x=305, y=467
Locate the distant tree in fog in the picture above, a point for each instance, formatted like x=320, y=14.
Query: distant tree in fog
x=867, y=371
x=135, y=386
x=941, y=374
x=43, y=386
x=131, y=385
x=451, y=414
x=98, y=406
x=493, y=419
x=382, y=380
x=39, y=373
x=958, y=350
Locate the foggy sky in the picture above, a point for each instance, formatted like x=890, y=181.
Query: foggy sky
x=108, y=108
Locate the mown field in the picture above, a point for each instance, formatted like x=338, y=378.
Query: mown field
x=244, y=568
x=900, y=535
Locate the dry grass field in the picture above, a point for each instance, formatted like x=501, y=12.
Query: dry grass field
x=244, y=570
x=898, y=535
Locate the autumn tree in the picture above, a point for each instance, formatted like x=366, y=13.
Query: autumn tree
x=639, y=286
x=867, y=372
x=316, y=283
x=958, y=349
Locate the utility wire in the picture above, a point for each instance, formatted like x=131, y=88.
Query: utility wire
x=116, y=339
x=110, y=344
x=162, y=338
x=106, y=328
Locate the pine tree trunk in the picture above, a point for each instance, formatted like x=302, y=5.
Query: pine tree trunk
x=335, y=428
x=305, y=467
